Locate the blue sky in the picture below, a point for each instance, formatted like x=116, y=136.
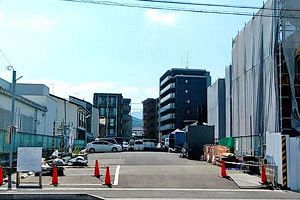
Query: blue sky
x=78, y=49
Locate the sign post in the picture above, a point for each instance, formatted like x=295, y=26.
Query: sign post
x=30, y=163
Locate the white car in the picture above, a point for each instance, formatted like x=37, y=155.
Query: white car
x=103, y=146
x=138, y=145
x=125, y=146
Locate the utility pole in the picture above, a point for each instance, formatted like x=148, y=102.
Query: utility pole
x=12, y=128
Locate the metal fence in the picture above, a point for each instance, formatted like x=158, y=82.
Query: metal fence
x=34, y=140
x=244, y=145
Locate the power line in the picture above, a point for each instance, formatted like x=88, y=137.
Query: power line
x=216, y=5
x=4, y=56
x=113, y=3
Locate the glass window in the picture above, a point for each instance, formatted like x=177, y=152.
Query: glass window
x=113, y=111
x=112, y=100
x=102, y=111
x=111, y=131
x=111, y=122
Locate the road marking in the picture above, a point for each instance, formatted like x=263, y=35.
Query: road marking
x=116, y=180
x=142, y=189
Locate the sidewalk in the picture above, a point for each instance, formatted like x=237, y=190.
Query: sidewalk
x=244, y=180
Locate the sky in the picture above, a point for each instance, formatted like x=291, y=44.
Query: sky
x=79, y=49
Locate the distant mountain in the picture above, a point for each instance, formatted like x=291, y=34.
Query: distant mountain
x=136, y=122
x=136, y=114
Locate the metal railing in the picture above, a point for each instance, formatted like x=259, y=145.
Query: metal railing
x=34, y=140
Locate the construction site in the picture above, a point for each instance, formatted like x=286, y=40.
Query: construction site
x=262, y=95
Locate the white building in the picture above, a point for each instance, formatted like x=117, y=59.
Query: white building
x=30, y=117
x=39, y=93
x=92, y=118
x=72, y=116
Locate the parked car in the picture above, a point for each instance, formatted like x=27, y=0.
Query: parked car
x=111, y=140
x=103, y=146
x=125, y=146
x=138, y=145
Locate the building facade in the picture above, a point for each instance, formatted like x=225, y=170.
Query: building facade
x=216, y=108
x=30, y=117
x=71, y=119
x=114, y=114
x=92, y=118
x=183, y=98
x=127, y=119
x=150, y=118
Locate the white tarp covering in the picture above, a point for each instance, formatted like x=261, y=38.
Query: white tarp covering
x=29, y=159
x=291, y=51
x=216, y=107
x=254, y=87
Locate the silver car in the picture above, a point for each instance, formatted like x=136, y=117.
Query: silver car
x=103, y=146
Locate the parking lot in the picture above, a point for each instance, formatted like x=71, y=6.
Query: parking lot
x=148, y=174
x=141, y=170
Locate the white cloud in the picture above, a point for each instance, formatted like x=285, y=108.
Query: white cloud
x=33, y=23
x=168, y=19
x=37, y=23
x=151, y=92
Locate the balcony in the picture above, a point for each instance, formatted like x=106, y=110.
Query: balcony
x=167, y=107
x=167, y=127
x=168, y=116
x=169, y=96
x=171, y=85
x=165, y=80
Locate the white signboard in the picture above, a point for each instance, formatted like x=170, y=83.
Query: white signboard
x=29, y=159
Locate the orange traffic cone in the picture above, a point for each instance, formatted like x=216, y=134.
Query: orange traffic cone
x=107, y=178
x=263, y=175
x=96, y=170
x=54, y=176
x=223, y=170
x=1, y=176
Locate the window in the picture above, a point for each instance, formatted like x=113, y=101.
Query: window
x=111, y=122
x=112, y=100
x=102, y=111
x=104, y=142
x=111, y=131
x=113, y=111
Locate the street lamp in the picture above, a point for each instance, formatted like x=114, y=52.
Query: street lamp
x=12, y=121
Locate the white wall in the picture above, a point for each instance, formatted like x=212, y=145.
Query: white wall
x=51, y=115
x=274, y=152
x=68, y=115
x=27, y=110
x=95, y=122
x=294, y=163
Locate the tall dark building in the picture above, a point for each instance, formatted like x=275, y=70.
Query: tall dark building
x=150, y=118
x=114, y=117
x=126, y=119
x=183, y=98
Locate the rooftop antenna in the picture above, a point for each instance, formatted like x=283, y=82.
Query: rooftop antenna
x=187, y=60
x=181, y=62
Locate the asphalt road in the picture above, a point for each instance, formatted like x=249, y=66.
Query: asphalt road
x=155, y=175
